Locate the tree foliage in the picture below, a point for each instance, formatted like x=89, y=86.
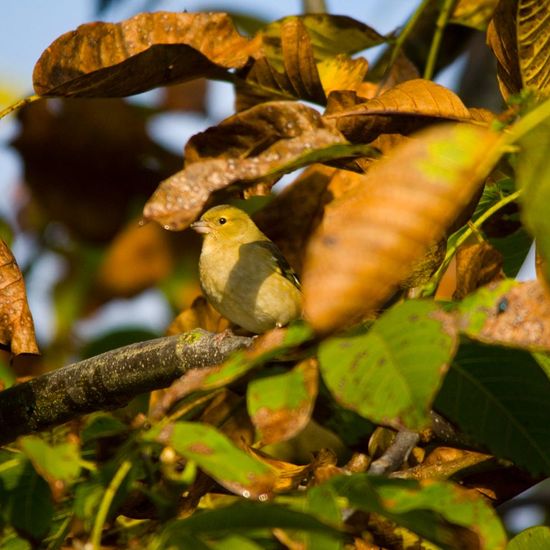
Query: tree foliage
x=414, y=396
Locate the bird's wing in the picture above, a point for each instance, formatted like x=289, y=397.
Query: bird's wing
x=282, y=266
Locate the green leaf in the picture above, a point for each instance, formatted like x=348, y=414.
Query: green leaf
x=500, y=397
x=243, y=516
x=280, y=406
x=514, y=249
x=52, y=462
x=235, y=542
x=220, y=458
x=13, y=542
x=530, y=539
x=533, y=178
x=241, y=362
x=321, y=503
x=31, y=507
x=100, y=425
x=437, y=511
x=379, y=374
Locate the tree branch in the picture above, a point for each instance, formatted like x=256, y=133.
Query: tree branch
x=396, y=453
x=108, y=381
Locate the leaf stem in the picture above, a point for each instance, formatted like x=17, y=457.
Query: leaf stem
x=527, y=123
x=18, y=104
x=473, y=227
x=406, y=31
x=437, y=37
x=106, y=502
x=314, y=6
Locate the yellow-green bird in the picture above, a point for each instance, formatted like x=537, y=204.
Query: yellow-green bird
x=243, y=274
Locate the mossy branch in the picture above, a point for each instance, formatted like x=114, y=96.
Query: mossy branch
x=108, y=381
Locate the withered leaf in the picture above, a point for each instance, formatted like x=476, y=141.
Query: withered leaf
x=280, y=406
x=16, y=325
x=180, y=199
x=402, y=109
x=200, y=315
x=508, y=313
x=477, y=264
x=138, y=54
x=368, y=243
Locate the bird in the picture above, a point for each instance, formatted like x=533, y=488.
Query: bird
x=243, y=274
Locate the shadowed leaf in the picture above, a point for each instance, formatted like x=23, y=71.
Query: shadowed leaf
x=473, y=13
x=500, y=397
x=373, y=237
x=379, y=375
x=280, y=406
x=508, y=313
x=138, y=54
x=181, y=198
x=16, y=325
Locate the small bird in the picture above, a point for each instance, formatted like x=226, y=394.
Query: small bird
x=243, y=274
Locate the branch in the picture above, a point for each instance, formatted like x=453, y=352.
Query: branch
x=108, y=381
x=396, y=453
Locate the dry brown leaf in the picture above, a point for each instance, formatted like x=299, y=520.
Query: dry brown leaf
x=138, y=54
x=368, y=243
x=86, y=162
x=16, y=325
x=200, y=315
x=402, y=109
x=477, y=264
x=180, y=199
x=138, y=258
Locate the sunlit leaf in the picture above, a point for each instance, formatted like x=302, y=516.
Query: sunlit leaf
x=534, y=537
x=441, y=512
x=508, y=313
x=473, y=13
x=500, y=397
x=378, y=374
x=280, y=406
x=140, y=53
x=221, y=459
x=199, y=315
x=372, y=238
x=16, y=325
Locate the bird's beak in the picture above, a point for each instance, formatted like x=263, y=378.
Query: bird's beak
x=201, y=226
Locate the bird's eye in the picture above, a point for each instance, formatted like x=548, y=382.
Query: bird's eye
x=221, y=221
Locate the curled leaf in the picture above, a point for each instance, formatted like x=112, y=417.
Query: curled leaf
x=372, y=238
x=16, y=325
x=138, y=54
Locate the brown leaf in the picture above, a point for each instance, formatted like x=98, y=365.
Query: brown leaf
x=138, y=54
x=476, y=265
x=16, y=326
x=517, y=316
x=402, y=109
x=368, y=243
x=138, y=258
x=181, y=198
x=200, y=315
x=343, y=73
x=89, y=162
x=280, y=407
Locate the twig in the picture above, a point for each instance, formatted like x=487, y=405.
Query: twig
x=108, y=381
x=314, y=6
x=396, y=453
x=438, y=36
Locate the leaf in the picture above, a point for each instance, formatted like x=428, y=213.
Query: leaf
x=181, y=198
x=221, y=459
x=374, y=236
x=500, y=397
x=235, y=542
x=243, y=516
x=330, y=35
x=59, y=462
x=379, y=375
x=31, y=508
x=441, y=512
x=16, y=325
x=473, y=13
x=138, y=54
x=280, y=406
x=420, y=101
x=534, y=537
x=200, y=315
x=508, y=313
x=321, y=501
x=342, y=73
x=533, y=178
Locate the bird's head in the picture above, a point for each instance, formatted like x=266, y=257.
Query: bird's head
x=226, y=222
